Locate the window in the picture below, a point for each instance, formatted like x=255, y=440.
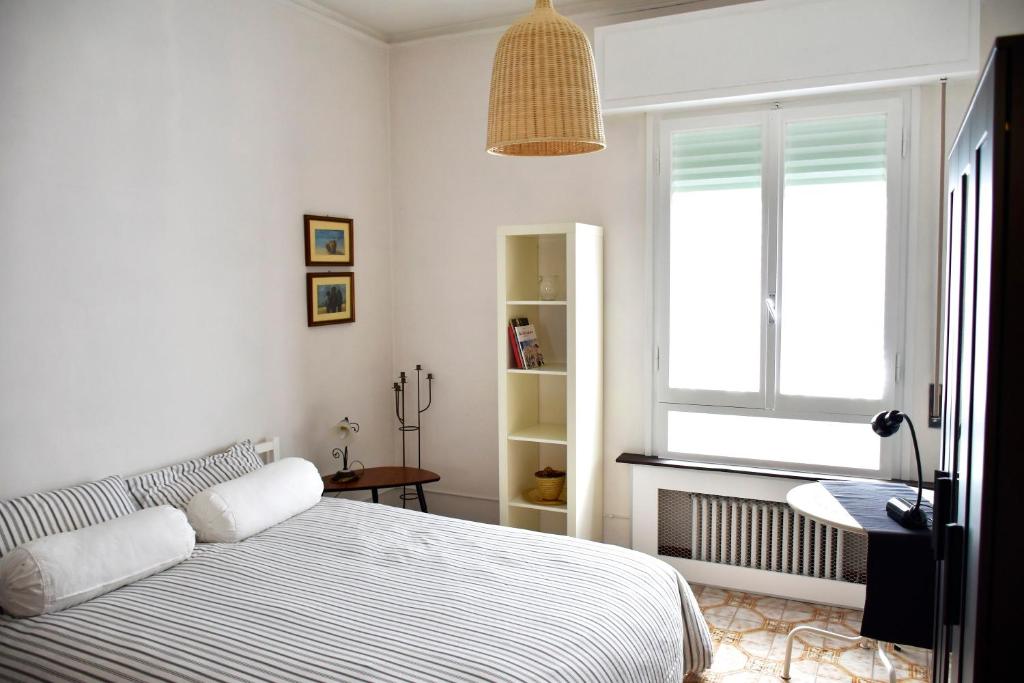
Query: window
x=778, y=286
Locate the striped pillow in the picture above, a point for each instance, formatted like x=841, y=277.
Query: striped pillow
x=42, y=514
x=175, y=485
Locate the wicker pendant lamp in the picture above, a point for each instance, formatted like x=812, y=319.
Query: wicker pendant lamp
x=544, y=99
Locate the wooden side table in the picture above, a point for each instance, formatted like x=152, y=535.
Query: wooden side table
x=375, y=478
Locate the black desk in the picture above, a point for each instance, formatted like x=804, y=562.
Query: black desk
x=815, y=501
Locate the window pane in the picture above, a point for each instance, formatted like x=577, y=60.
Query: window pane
x=808, y=442
x=715, y=260
x=832, y=301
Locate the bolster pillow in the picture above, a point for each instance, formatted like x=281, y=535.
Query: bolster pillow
x=235, y=510
x=55, y=572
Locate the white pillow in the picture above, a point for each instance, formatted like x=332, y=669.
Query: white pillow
x=235, y=510
x=62, y=570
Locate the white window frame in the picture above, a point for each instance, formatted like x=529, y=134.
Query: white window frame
x=667, y=126
x=773, y=116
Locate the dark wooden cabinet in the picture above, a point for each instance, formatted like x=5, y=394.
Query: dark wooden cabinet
x=978, y=532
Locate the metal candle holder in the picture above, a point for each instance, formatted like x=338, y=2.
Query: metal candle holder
x=403, y=428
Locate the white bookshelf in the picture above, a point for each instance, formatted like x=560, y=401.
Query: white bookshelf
x=552, y=415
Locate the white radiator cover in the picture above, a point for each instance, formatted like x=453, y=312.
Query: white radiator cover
x=757, y=534
x=736, y=531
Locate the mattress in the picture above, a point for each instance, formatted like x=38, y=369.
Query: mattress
x=353, y=591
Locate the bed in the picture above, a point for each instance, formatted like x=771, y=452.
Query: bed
x=360, y=592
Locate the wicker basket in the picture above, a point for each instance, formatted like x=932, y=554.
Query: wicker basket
x=550, y=488
x=544, y=99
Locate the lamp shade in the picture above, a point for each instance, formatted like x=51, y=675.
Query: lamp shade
x=544, y=98
x=887, y=422
x=347, y=431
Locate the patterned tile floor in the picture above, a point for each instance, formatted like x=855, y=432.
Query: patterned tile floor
x=749, y=633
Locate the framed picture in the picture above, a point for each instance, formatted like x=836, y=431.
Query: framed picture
x=329, y=241
x=330, y=298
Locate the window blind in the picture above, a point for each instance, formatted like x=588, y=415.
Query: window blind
x=718, y=159
x=836, y=150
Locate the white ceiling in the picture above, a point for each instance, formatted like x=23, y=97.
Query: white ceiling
x=400, y=20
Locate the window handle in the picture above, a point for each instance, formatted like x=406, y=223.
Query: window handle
x=769, y=303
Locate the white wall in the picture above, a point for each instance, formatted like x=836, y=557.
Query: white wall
x=448, y=198
x=156, y=159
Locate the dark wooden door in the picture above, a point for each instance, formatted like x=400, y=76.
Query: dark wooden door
x=978, y=528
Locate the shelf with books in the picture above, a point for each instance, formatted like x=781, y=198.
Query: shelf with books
x=536, y=337
x=553, y=368
x=549, y=291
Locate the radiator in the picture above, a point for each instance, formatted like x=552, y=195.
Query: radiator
x=756, y=534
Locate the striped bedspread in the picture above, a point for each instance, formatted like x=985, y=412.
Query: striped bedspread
x=353, y=591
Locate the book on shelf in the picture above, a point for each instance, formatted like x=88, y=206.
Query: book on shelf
x=527, y=351
x=513, y=342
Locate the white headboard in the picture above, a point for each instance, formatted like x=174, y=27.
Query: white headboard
x=269, y=449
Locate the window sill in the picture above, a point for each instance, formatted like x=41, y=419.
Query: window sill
x=655, y=461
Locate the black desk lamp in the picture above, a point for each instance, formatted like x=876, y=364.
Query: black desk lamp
x=887, y=423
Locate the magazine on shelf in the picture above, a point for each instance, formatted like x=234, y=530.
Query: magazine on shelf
x=524, y=350
x=529, y=349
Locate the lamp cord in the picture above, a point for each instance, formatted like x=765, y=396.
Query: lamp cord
x=917, y=455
